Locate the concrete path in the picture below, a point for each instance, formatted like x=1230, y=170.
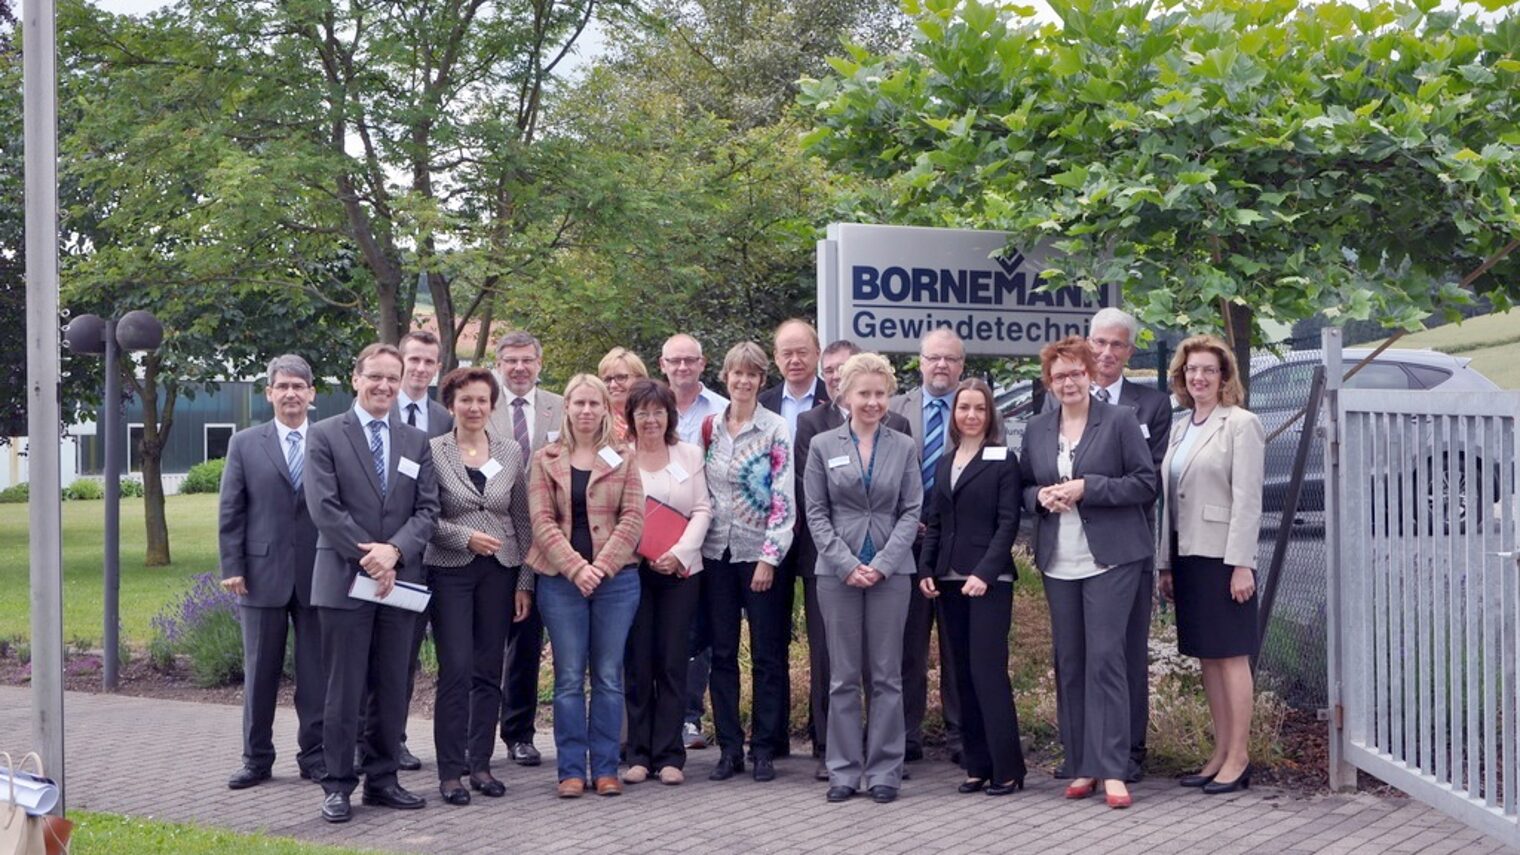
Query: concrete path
x=170, y=760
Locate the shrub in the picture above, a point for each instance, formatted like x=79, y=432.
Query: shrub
x=16, y=494
x=84, y=489
x=204, y=477
x=131, y=488
x=204, y=627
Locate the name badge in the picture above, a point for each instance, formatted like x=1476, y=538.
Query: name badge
x=678, y=472
x=841, y=460
x=408, y=467
x=995, y=452
x=611, y=457
x=491, y=469
x=1145, y=431
x=551, y=436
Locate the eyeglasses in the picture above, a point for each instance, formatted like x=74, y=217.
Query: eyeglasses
x=620, y=379
x=377, y=379
x=649, y=415
x=290, y=387
x=1064, y=377
x=939, y=358
x=681, y=361
x=1101, y=344
x=1201, y=370
x=518, y=361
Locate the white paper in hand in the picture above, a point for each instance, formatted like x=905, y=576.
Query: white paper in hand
x=406, y=595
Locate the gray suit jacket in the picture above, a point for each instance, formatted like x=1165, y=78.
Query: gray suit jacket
x=348, y=508
x=440, y=420
x=501, y=511
x=548, y=414
x=265, y=532
x=810, y=424
x=911, y=407
x=1119, y=484
x=1153, y=408
x=840, y=510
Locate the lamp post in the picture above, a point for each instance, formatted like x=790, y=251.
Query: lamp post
x=134, y=331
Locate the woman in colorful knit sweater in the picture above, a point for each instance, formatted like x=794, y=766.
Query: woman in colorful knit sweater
x=750, y=481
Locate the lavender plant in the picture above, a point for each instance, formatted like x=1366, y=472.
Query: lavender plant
x=204, y=626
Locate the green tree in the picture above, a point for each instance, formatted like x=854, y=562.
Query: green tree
x=1227, y=161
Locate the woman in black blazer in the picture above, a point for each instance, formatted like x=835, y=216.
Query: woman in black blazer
x=967, y=558
x=1089, y=475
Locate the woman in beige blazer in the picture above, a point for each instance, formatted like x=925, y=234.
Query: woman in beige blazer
x=1210, y=520
x=654, y=663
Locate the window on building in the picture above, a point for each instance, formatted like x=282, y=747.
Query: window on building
x=134, y=448
x=217, y=438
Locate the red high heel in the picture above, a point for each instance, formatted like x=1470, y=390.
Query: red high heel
x=1118, y=802
x=1080, y=791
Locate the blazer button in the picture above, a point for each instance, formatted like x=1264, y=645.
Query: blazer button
x=1182, y=495
x=596, y=528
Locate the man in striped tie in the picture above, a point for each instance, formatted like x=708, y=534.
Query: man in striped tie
x=941, y=359
x=267, y=544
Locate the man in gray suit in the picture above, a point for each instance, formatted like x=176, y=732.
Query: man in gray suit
x=532, y=417
x=419, y=360
x=941, y=359
x=370, y=488
x=267, y=544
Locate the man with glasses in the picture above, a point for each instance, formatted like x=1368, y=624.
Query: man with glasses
x=531, y=416
x=1111, y=337
x=941, y=359
x=368, y=479
x=267, y=544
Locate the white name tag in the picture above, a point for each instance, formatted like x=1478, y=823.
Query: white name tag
x=836, y=462
x=678, y=472
x=408, y=467
x=611, y=457
x=491, y=469
x=551, y=436
x=1145, y=431
x=995, y=452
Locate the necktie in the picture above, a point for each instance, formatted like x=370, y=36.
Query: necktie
x=377, y=448
x=934, y=441
x=520, y=428
x=411, y=414
x=293, y=459
x=1101, y=394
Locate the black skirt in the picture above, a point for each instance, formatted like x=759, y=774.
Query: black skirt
x=1210, y=624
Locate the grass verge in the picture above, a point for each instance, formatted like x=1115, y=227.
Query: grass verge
x=112, y=834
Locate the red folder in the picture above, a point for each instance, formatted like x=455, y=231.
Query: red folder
x=663, y=526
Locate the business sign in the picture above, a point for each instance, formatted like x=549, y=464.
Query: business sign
x=884, y=287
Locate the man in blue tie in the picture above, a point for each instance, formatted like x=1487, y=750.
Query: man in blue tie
x=941, y=359
x=267, y=542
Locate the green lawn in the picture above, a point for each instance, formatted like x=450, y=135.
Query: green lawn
x=110, y=834
x=1491, y=341
x=144, y=590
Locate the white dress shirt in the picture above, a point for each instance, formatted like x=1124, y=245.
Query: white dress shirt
x=385, y=435
x=403, y=401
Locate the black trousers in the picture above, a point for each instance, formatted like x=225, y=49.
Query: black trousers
x=470, y=611
x=264, y=633
x=978, y=631
x=818, y=665
x=1137, y=635
x=418, y=635
x=519, y=682
x=654, y=668
x=728, y=597
x=922, y=615
x=364, y=647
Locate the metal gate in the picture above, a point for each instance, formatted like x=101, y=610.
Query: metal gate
x=1423, y=595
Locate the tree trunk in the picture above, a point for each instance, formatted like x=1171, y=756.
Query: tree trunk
x=156, y=427
x=482, y=339
x=1237, y=330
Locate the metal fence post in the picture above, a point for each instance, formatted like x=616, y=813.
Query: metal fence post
x=1342, y=774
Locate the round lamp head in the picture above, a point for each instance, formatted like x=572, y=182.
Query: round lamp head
x=86, y=334
x=139, y=330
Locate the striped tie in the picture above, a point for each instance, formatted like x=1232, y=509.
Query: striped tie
x=520, y=428
x=1101, y=394
x=294, y=460
x=377, y=448
x=934, y=441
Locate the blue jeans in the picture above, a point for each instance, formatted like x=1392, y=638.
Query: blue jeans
x=588, y=632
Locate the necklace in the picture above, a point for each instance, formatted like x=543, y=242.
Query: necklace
x=1197, y=423
x=471, y=452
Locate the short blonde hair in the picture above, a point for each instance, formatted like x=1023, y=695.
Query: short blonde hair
x=604, y=434
x=862, y=364
x=745, y=355
x=625, y=356
x=1231, y=393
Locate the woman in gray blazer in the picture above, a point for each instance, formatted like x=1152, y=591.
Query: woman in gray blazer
x=1088, y=470
x=864, y=492
x=474, y=566
x=1210, y=521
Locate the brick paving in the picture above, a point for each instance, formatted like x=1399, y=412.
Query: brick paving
x=170, y=760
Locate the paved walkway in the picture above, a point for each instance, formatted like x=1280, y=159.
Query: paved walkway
x=171, y=759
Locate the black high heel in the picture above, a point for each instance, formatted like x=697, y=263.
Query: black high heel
x=453, y=793
x=971, y=785
x=1005, y=789
x=1217, y=787
x=488, y=786
x=1195, y=780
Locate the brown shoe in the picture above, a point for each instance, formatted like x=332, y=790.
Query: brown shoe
x=609, y=785
x=571, y=788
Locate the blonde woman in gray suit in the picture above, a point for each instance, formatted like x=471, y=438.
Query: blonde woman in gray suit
x=1210, y=521
x=864, y=493
x=474, y=567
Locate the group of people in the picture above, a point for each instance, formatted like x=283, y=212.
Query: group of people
x=643, y=523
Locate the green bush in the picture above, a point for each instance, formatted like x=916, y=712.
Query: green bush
x=204, y=626
x=203, y=477
x=84, y=489
x=16, y=494
x=131, y=488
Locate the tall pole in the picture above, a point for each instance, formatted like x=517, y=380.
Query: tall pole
x=40, y=129
x=113, y=433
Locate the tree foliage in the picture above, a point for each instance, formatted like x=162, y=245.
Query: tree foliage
x=1219, y=158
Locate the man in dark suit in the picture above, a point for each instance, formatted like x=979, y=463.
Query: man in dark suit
x=941, y=359
x=370, y=488
x=267, y=544
x=800, y=390
x=805, y=552
x=419, y=361
x=1111, y=336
